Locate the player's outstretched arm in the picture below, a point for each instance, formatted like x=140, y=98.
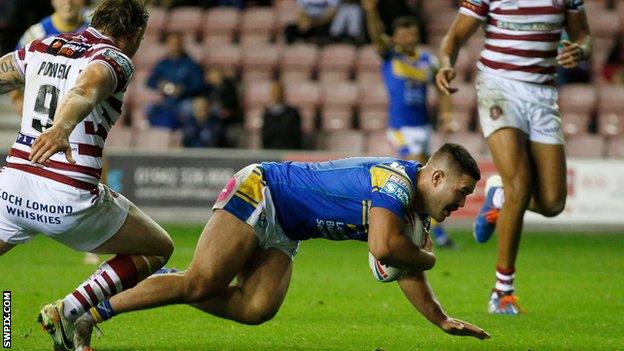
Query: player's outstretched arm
x=375, y=26
x=93, y=85
x=417, y=290
x=579, y=47
x=461, y=30
x=10, y=79
x=392, y=248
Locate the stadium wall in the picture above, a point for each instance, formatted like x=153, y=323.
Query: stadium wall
x=181, y=185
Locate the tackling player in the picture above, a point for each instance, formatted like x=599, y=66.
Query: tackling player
x=74, y=86
x=407, y=71
x=519, y=114
x=266, y=209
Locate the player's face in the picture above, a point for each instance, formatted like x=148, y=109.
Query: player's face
x=68, y=10
x=406, y=38
x=450, y=195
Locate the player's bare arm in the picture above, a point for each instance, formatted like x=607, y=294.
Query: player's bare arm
x=579, y=47
x=375, y=26
x=10, y=79
x=392, y=248
x=93, y=85
x=417, y=290
x=445, y=114
x=461, y=30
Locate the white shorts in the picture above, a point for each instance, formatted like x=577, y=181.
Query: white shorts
x=410, y=140
x=247, y=197
x=80, y=219
x=531, y=108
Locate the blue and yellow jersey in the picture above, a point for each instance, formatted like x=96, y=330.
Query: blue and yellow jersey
x=332, y=199
x=406, y=80
x=45, y=29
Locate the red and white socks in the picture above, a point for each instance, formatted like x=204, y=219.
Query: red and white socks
x=117, y=274
x=504, y=280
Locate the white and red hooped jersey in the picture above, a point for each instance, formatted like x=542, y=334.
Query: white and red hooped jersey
x=522, y=36
x=50, y=68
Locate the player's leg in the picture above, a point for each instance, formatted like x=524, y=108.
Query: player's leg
x=549, y=179
x=259, y=292
x=222, y=250
x=509, y=151
x=5, y=247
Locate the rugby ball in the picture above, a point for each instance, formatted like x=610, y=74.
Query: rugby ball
x=414, y=229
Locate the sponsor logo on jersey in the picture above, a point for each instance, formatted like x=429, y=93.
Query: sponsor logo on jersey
x=397, y=191
x=528, y=27
x=61, y=47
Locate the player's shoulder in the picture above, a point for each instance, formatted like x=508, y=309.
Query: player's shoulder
x=394, y=181
x=113, y=56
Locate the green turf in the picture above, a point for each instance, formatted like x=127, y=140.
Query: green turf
x=571, y=285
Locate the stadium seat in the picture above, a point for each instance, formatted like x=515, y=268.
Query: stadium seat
x=578, y=99
x=257, y=21
x=336, y=62
x=256, y=94
x=377, y=144
x=157, y=21
x=615, y=148
x=253, y=119
x=604, y=23
x=285, y=14
x=611, y=124
x=344, y=140
x=575, y=123
x=368, y=61
x=584, y=146
x=611, y=110
x=185, y=19
x=372, y=96
x=337, y=104
x=373, y=120
x=221, y=22
x=119, y=137
x=156, y=139
x=260, y=61
x=299, y=60
x=473, y=142
x=147, y=56
x=304, y=95
x=226, y=56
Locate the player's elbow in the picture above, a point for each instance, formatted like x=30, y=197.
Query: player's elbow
x=380, y=249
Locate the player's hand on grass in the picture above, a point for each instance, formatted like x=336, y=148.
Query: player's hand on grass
x=458, y=327
x=48, y=143
x=443, y=80
x=571, y=55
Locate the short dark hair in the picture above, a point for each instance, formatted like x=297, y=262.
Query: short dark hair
x=404, y=22
x=120, y=18
x=462, y=157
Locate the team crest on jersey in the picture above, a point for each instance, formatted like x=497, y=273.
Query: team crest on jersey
x=496, y=112
x=122, y=61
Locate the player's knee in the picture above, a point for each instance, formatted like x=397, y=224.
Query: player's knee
x=258, y=313
x=200, y=288
x=517, y=191
x=553, y=208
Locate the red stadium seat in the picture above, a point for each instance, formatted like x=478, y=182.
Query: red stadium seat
x=119, y=137
x=156, y=139
x=611, y=110
x=368, y=61
x=226, y=56
x=473, y=142
x=157, y=20
x=578, y=99
x=377, y=144
x=337, y=103
x=336, y=62
x=257, y=94
x=299, y=59
x=615, y=148
x=185, y=19
x=583, y=146
x=258, y=21
x=285, y=14
x=221, y=22
x=262, y=60
x=574, y=123
x=253, y=119
x=611, y=124
x=604, y=23
x=345, y=140
x=148, y=56
x=373, y=120
x=372, y=96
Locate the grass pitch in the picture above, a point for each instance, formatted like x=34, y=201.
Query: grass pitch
x=570, y=284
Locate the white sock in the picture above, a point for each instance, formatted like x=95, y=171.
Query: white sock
x=499, y=198
x=504, y=282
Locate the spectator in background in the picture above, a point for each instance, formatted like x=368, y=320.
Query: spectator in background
x=348, y=22
x=282, y=123
x=177, y=77
x=67, y=18
x=313, y=20
x=203, y=127
x=613, y=70
x=223, y=95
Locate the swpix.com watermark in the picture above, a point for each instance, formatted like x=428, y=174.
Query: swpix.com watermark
x=6, y=319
